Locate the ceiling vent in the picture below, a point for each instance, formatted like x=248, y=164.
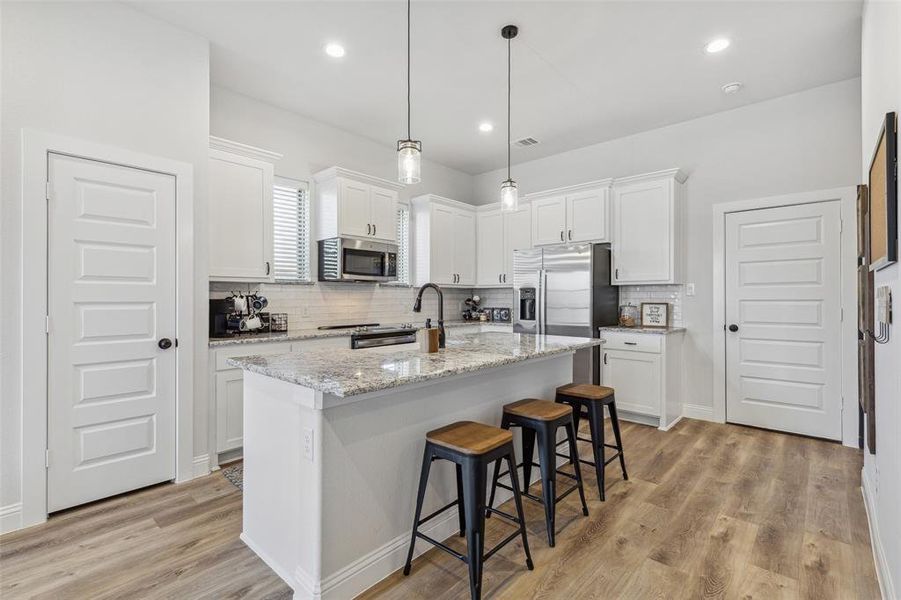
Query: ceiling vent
x=525, y=142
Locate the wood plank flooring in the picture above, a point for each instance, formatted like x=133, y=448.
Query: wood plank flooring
x=710, y=511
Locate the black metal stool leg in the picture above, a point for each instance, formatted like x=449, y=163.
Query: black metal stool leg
x=474, y=484
x=494, y=478
x=547, y=451
x=528, y=456
x=423, y=482
x=574, y=458
x=517, y=500
x=461, y=514
x=596, y=423
x=614, y=421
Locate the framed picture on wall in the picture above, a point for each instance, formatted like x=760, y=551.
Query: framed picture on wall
x=883, y=188
x=654, y=314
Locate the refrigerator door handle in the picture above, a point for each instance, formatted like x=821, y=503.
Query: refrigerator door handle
x=542, y=306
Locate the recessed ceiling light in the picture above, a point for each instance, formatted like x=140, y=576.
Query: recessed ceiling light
x=334, y=50
x=717, y=45
x=732, y=88
x=486, y=127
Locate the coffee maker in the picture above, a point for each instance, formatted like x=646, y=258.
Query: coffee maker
x=238, y=314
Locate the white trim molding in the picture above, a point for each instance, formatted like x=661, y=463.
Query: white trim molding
x=36, y=147
x=232, y=147
x=883, y=572
x=847, y=196
x=333, y=172
x=201, y=466
x=10, y=517
x=698, y=411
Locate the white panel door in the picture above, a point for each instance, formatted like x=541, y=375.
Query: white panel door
x=240, y=215
x=441, y=234
x=111, y=298
x=783, y=298
x=465, y=246
x=643, y=232
x=549, y=221
x=383, y=208
x=490, y=248
x=586, y=215
x=517, y=236
x=353, y=209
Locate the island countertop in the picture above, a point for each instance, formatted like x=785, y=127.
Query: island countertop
x=346, y=372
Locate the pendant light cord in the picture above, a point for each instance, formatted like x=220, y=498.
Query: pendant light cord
x=509, y=77
x=409, y=137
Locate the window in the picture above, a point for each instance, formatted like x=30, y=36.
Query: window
x=291, y=229
x=403, y=245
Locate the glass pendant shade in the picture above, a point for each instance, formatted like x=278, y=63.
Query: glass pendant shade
x=409, y=159
x=509, y=196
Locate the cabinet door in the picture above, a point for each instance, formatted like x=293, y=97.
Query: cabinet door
x=465, y=247
x=643, y=245
x=517, y=236
x=548, y=221
x=636, y=377
x=229, y=410
x=586, y=216
x=490, y=248
x=383, y=208
x=441, y=245
x=240, y=217
x=353, y=209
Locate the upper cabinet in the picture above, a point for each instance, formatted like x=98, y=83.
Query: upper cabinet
x=240, y=212
x=572, y=214
x=351, y=204
x=445, y=241
x=647, y=228
x=499, y=233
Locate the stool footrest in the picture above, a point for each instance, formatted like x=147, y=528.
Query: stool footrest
x=500, y=545
x=503, y=514
x=438, y=512
x=442, y=546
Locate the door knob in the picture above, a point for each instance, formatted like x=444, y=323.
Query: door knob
x=164, y=343
x=733, y=328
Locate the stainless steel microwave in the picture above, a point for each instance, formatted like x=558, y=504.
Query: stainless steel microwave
x=346, y=259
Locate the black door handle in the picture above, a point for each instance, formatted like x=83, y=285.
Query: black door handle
x=733, y=328
x=373, y=229
x=164, y=343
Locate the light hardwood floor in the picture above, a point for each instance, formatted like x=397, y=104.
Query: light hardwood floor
x=710, y=511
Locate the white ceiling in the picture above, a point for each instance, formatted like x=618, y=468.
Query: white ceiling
x=583, y=72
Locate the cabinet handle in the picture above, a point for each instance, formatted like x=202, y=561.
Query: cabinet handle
x=368, y=229
x=570, y=235
x=605, y=358
x=373, y=229
x=267, y=267
x=500, y=278
x=561, y=235
x=631, y=343
x=505, y=278
x=616, y=273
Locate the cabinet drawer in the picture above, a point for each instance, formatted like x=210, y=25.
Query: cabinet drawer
x=248, y=350
x=636, y=342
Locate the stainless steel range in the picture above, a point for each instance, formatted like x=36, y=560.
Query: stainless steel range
x=375, y=337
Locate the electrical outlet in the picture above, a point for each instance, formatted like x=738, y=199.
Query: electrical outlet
x=308, y=444
x=689, y=289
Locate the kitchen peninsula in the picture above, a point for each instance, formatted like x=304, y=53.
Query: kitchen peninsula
x=333, y=441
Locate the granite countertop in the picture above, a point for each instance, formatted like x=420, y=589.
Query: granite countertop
x=346, y=372
x=296, y=335
x=650, y=330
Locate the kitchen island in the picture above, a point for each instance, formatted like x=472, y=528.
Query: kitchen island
x=333, y=440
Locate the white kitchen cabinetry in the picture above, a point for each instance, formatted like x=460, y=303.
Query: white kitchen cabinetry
x=445, y=241
x=351, y=204
x=645, y=370
x=579, y=213
x=499, y=234
x=240, y=217
x=647, y=228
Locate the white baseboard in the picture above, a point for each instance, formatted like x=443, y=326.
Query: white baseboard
x=883, y=573
x=10, y=517
x=698, y=411
x=201, y=465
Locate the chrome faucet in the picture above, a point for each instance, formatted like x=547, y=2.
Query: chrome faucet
x=417, y=307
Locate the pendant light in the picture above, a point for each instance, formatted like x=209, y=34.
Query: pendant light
x=509, y=192
x=409, y=151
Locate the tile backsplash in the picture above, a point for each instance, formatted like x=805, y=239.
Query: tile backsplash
x=636, y=294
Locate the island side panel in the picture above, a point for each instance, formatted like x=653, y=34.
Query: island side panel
x=372, y=452
x=282, y=482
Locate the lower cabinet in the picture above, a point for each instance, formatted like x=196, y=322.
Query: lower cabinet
x=645, y=370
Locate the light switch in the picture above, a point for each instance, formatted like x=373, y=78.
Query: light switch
x=689, y=289
x=308, y=444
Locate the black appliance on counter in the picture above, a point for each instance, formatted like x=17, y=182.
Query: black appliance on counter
x=226, y=320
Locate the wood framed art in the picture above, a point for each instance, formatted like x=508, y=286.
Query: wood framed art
x=655, y=314
x=883, y=201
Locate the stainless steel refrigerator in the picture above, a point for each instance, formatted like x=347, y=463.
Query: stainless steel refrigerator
x=566, y=291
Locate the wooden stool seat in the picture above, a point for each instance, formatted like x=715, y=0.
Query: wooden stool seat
x=542, y=410
x=469, y=437
x=586, y=391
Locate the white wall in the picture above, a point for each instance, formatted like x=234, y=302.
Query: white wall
x=805, y=141
x=309, y=146
x=881, y=93
x=104, y=73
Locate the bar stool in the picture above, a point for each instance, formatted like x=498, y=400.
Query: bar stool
x=472, y=447
x=593, y=398
x=542, y=418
